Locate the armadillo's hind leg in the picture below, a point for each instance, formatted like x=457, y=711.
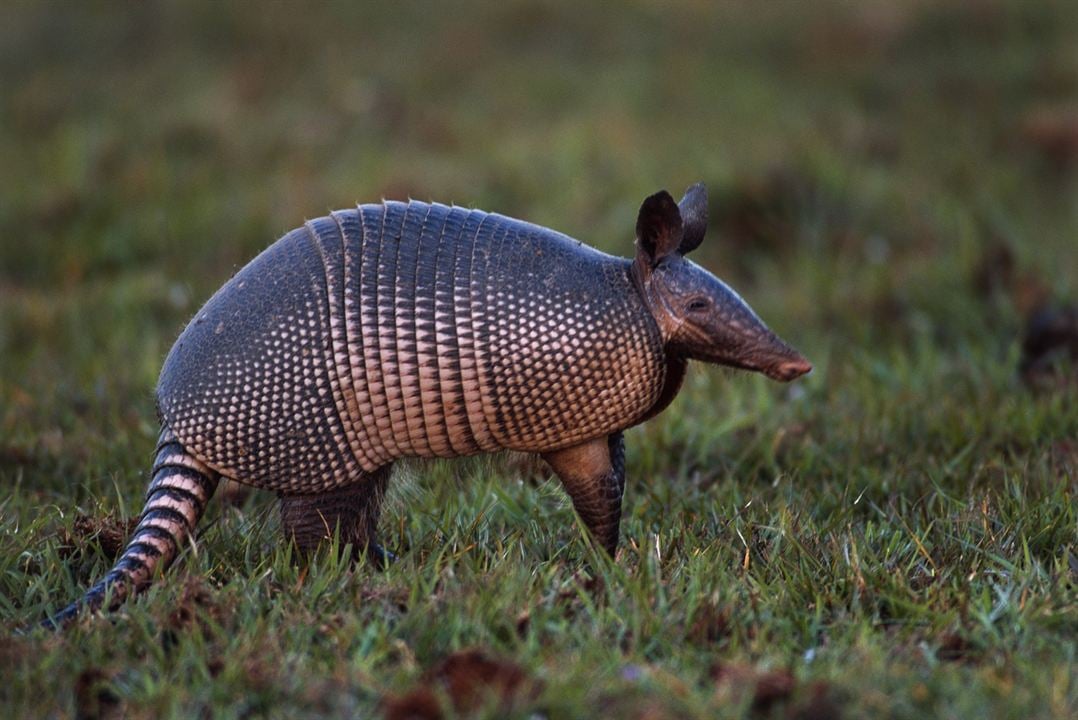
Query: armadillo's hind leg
x=594, y=476
x=349, y=513
x=180, y=487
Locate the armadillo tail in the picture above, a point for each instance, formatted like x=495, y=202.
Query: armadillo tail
x=180, y=487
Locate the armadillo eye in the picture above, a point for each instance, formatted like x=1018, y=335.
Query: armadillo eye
x=698, y=305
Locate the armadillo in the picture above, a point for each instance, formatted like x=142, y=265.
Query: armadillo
x=398, y=330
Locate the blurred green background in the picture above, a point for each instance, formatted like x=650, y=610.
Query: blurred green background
x=894, y=188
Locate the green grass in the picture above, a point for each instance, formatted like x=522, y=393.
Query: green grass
x=896, y=532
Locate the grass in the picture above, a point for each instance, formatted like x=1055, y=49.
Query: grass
x=892, y=190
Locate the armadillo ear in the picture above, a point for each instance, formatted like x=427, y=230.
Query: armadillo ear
x=658, y=228
x=693, y=217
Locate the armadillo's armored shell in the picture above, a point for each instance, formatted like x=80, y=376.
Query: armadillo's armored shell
x=247, y=386
x=402, y=330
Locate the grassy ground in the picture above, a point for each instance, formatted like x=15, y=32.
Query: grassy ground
x=893, y=188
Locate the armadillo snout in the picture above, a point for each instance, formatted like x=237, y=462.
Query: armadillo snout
x=790, y=370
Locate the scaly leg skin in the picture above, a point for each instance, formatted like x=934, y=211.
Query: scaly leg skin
x=594, y=476
x=351, y=511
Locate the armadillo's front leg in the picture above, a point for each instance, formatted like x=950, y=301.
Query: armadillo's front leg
x=351, y=511
x=594, y=476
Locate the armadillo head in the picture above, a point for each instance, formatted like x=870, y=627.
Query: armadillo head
x=700, y=316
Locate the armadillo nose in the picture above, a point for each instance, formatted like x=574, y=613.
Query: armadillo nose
x=791, y=369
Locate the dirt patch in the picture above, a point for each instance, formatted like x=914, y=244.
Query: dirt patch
x=1050, y=347
x=16, y=650
x=389, y=597
x=195, y=609
x=94, y=700
x=996, y=270
x=15, y=456
x=709, y=624
x=735, y=682
x=820, y=703
x=110, y=533
x=469, y=680
x=1052, y=133
x=954, y=647
x=998, y=275
x=766, y=691
x=1050, y=337
x=420, y=704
